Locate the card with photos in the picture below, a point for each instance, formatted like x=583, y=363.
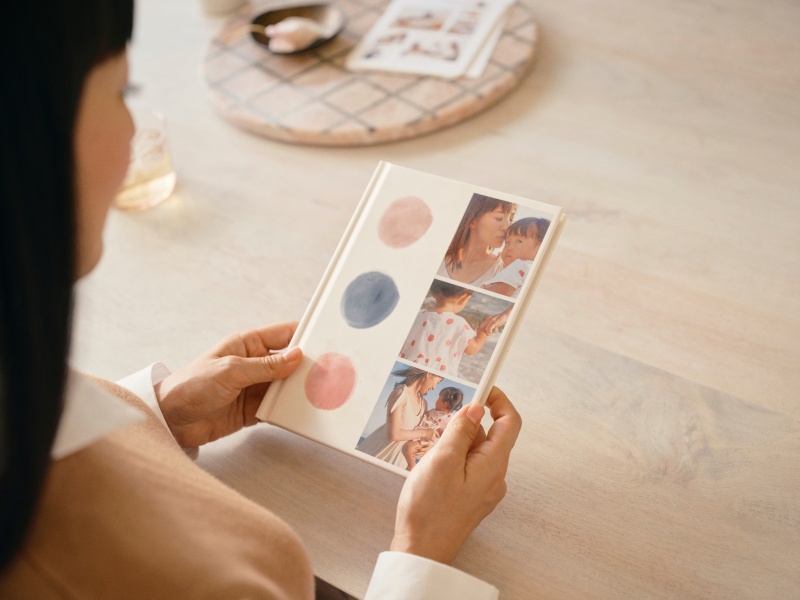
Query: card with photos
x=414, y=314
x=444, y=38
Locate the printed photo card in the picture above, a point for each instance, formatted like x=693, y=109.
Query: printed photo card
x=414, y=314
x=445, y=38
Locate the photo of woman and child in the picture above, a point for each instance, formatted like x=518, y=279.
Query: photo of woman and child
x=489, y=241
x=402, y=427
x=456, y=330
x=441, y=336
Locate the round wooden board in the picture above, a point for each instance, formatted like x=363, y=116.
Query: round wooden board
x=311, y=98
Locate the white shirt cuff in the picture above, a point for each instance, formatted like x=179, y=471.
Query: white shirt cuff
x=400, y=576
x=142, y=384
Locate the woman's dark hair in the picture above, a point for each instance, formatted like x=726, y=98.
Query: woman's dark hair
x=478, y=206
x=46, y=52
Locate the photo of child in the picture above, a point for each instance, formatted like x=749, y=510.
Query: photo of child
x=448, y=403
x=440, y=337
x=523, y=240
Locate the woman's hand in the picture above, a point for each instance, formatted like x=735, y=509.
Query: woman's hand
x=492, y=323
x=425, y=434
x=220, y=392
x=459, y=482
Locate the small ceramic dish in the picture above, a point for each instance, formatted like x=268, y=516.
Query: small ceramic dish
x=330, y=19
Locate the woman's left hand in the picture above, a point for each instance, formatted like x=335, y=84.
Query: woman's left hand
x=219, y=393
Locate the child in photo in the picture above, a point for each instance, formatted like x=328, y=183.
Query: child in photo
x=447, y=404
x=523, y=240
x=439, y=337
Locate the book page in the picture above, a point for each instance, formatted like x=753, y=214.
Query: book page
x=395, y=327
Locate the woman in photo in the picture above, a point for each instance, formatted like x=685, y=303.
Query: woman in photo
x=405, y=408
x=472, y=256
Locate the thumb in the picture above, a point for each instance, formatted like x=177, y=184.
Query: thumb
x=461, y=431
x=263, y=369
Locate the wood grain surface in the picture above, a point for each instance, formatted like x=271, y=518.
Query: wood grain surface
x=658, y=369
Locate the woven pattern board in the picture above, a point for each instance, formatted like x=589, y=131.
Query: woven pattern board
x=311, y=98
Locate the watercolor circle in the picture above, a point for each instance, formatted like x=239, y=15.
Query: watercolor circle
x=369, y=299
x=331, y=381
x=404, y=221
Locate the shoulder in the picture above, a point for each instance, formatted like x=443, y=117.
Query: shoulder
x=398, y=396
x=193, y=534
x=519, y=264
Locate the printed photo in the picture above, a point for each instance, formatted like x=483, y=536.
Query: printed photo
x=443, y=38
x=384, y=42
x=421, y=18
x=411, y=414
x=494, y=246
x=455, y=331
x=437, y=50
x=466, y=22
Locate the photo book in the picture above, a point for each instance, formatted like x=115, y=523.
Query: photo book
x=444, y=38
x=413, y=316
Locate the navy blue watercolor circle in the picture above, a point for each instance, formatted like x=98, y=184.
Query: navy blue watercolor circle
x=369, y=299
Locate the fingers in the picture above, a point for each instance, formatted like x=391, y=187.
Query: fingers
x=504, y=431
x=458, y=436
x=277, y=336
x=244, y=372
x=256, y=342
x=507, y=421
x=480, y=437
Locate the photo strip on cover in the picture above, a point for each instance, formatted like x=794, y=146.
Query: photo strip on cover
x=454, y=334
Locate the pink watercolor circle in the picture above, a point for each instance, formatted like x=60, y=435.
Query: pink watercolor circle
x=331, y=381
x=404, y=221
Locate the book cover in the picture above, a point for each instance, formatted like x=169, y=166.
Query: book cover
x=414, y=314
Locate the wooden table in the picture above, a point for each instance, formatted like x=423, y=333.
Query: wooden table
x=658, y=370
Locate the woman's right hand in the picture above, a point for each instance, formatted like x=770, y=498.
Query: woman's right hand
x=459, y=483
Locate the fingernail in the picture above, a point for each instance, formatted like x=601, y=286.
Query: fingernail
x=292, y=354
x=475, y=412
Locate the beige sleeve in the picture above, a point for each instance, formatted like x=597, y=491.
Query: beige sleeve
x=132, y=517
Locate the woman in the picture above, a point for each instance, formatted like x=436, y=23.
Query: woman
x=108, y=505
x=405, y=408
x=472, y=257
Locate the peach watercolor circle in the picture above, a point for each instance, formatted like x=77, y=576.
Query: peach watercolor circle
x=331, y=381
x=404, y=221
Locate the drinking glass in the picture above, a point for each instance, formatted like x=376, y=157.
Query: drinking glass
x=151, y=177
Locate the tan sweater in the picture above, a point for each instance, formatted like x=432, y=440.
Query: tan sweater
x=132, y=517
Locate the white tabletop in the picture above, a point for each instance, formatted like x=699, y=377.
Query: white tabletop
x=658, y=368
